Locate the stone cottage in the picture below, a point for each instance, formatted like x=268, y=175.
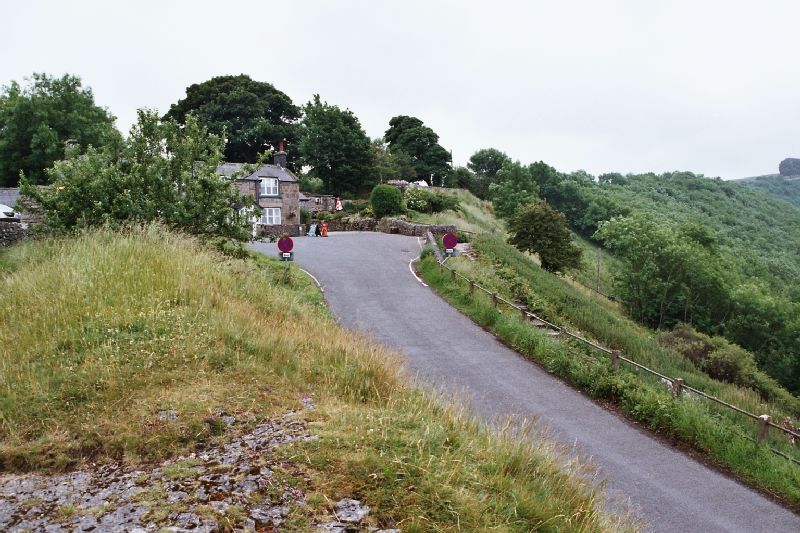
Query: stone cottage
x=275, y=189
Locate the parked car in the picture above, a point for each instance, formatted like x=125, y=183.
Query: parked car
x=7, y=214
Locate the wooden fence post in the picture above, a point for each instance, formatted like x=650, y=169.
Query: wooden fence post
x=471, y=288
x=763, y=429
x=677, y=387
x=441, y=266
x=452, y=275
x=494, y=299
x=615, y=359
x=523, y=311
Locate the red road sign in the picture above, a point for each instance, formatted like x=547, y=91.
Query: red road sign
x=286, y=244
x=450, y=241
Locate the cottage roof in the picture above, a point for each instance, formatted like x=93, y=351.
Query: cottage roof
x=264, y=171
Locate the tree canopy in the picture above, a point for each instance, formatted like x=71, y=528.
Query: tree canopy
x=486, y=163
x=253, y=116
x=540, y=229
x=163, y=171
x=410, y=136
x=513, y=186
x=336, y=148
x=39, y=118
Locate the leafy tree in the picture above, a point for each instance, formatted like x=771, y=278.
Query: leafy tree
x=391, y=166
x=386, y=200
x=38, y=119
x=163, y=171
x=540, y=229
x=336, y=148
x=513, y=188
x=252, y=116
x=410, y=136
x=486, y=163
x=460, y=178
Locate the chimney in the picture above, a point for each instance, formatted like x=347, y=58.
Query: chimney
x=280, y=156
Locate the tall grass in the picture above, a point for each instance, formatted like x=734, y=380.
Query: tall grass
x=473, y=215
x=713, y=430
x=100, y=332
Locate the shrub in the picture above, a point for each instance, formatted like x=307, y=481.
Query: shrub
x=386, y=200
x=686, y=341
x=729, y=362
x=428, y=201
x=305, y=216
x=427, y=251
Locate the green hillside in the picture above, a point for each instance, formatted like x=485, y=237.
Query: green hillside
x=783, y=187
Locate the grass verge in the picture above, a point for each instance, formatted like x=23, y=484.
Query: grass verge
x=101, y=332
x=716, y=433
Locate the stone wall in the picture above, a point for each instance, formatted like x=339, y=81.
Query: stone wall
x=388, y=225
x=11, y=232
x=292, y=230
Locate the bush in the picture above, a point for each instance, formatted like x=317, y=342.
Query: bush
x=728, y=362
x=386, y=200
x=305, y=216
x=428, y=201
x=686, y=341
x=426, y=252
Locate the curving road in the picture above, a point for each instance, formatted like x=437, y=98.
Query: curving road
x=369, y=286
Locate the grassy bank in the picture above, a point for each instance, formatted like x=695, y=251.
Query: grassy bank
x=720, y=434
x=101, y=332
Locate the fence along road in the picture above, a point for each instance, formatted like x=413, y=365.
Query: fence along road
x=368, y=287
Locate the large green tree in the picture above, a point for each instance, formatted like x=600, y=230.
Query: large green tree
x=163, y=171
x=540, y=229
x=410, y=136
x=513, y=187
x=252, y=116
x=336, y=148
x=486, y=163
x=39, y=118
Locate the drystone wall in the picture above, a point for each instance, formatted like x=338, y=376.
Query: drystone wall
x=11, y=232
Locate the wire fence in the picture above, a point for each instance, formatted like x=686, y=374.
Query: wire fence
x=763, y=422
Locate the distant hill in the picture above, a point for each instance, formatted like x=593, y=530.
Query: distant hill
x=783, y=187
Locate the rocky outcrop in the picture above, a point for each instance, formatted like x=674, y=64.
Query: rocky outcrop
x=789, y=167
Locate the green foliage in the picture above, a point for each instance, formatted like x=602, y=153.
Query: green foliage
x=485, y=163
x=540, y=229
x=311, y=184
x=38, y=119
x=425, y=200
x=336, y=148
x=460, y=178
x=163, y=171
x=305, y=216
x=513, y=187
x=672, y=273
x=426, y=252
x=386, y=200
x=252, y=116
x=392, y=165
x=778, y=186
x=410, y=136
x=710, y=429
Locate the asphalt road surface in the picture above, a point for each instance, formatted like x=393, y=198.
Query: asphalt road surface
x=369, y=286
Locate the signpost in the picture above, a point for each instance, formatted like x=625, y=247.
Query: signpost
x=450, y=242
x=285, y=245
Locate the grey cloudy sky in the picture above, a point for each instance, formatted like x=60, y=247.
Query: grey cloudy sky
x=625, y=85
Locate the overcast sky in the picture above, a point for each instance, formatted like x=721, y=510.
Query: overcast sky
x=628, y=86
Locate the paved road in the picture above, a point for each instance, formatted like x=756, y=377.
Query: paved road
x=369, y=286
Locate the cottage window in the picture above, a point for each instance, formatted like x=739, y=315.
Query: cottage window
x=269, y=186
x=271, y=216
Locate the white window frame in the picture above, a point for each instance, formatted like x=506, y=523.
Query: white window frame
x=269, y=186
x=271, y=216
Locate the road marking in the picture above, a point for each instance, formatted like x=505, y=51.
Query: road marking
x=414, y=273
x=419, y=241
x=315, y=279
